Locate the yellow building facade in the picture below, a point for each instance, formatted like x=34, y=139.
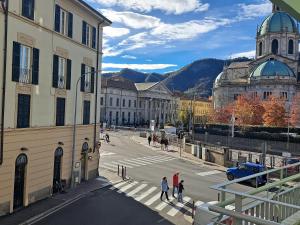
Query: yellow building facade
x=198, y=108
x=50, y=46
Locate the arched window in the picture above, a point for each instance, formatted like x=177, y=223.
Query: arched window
x=291, y=47
x=275, y=46
x=260, y=49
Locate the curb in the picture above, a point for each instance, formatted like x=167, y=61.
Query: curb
x=48, y=212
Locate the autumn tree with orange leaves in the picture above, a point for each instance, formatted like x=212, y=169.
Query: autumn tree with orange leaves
x=295, y=111
x=222, y=115
x=274, y=112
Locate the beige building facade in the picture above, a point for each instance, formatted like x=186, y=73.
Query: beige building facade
x=51, y=44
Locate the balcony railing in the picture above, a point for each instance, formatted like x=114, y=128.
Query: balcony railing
x=25, y=75
x=61, y=82
x=87, y=86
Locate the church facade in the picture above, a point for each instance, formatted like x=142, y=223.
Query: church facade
x=275, y=71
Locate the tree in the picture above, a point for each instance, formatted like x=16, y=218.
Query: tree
x=184, y=117
x=274, y=112
x=295, y=111
x=223, y=114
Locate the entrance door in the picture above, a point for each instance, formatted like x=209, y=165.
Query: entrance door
x=57, y=169
x=20, y=169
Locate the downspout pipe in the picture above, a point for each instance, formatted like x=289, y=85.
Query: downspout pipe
x=5, y=7
x=96, y=92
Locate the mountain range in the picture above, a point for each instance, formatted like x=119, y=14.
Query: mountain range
x=197, y=76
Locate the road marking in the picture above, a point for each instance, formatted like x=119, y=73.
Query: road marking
x=158, y=160
x=102, y=179
x=207, y=173
x=145, y=194
x=125, y=188
x=162, y=205
x=136, y=190
x=117, y=163
x=106, y=153
x=108, y=166
x=178, y=207
x=123, y=162
x=118, y=185
x=136, y=162
x=153, y=199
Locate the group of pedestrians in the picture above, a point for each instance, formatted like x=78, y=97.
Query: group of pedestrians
x=164, y=142
x=177, y=188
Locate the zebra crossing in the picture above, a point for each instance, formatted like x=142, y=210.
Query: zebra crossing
x=136, y=162
x=150, y=197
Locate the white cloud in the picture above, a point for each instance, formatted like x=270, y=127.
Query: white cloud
x=171, y=7
x=137, y=66
x=255, y=10
x=131, y=19
x=249, y=54
x=115, y=32
x=128, y=57
x=188, y=30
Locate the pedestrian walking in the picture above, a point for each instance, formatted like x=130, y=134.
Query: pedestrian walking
x=175, y=183
x=180, y=190
x=107, y=138
x=166, y=144
x=164, y=188
x=149, y=139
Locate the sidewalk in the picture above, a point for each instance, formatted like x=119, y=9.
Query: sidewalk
x=43, y=208
x=175, y=152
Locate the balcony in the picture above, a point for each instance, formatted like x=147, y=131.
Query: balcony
x=61, y=82
x=87, y=86
x=25, y=76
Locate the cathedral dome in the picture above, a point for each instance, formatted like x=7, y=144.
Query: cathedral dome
x=272, y=68
x=278, y=22
x=218, y=79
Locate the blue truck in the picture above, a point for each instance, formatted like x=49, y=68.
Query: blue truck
x=247, y=169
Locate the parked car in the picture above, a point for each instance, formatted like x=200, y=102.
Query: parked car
x=247, y=169
x=293, y=169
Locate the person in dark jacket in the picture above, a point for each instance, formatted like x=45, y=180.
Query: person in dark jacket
x=149, y=139
x=180, y=190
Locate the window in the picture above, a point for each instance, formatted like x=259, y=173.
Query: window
x=28, y=9
x=88, y=35
x=61, y=73
x=123, y=117
x=128, y=117
x=117, y=118
x=23, y=117
x=63, y=22
x=123, y=102
x=60, y=111
x=118, y=102
x=275, y=46
x=110, y=101
x=25, y=65
x=140, y=104
x=134, y=103
x=101, y=101
x=88, y=80
x=267, y=94
x=284, y=95
x=134, y=117
x=129, y=103
x=86, y=112
x=110, y=117
x=260, y=49
x=291, y=47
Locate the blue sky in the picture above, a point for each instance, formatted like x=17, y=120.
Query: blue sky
x=164, y=35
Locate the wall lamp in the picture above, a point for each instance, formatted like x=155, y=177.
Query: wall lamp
x=60, y=143
x=24, y=149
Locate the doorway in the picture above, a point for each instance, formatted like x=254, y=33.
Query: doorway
x=57, y=169
x=19, y=184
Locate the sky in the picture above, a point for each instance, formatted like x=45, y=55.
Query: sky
x=165, y=35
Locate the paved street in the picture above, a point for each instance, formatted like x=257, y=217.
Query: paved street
x=136, y=201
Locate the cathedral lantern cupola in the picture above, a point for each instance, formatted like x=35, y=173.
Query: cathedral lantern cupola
x=276, y=8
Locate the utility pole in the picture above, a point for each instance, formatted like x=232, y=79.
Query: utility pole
x=232, y=124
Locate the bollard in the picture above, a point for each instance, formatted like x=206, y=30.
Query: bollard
x=123, y=172
x=118, y=170
x=193, y=209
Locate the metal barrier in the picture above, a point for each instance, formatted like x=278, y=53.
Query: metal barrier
x=266, y=205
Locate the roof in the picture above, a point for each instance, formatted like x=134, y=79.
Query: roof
x=278, y=22
x=94, y=11
x=118, y=82
x=236, y=65
x=273, y=68
x=145, y=86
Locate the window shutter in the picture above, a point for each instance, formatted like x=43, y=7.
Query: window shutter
x=84, y=32
x=28, y=9
x=35, y=66
x=94, y=38
x=16, y=62
x=92, y=79
x=70, y=25
x=69, y=72
x=86, y=112
x=57, y=19
x=23, y=118
x=55, y=72
x=60, y=111
x=82, y=83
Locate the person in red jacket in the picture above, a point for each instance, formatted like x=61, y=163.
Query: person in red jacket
x=175, y=183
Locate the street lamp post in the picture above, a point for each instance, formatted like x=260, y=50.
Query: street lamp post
x=74, y=128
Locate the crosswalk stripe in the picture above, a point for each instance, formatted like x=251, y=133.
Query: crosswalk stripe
x=157, y=160
x=207, y=173
x=123, y=162
x=136, y=190
x=155, y=157
x=162, y=205
x=153, y=199
x=136, y=161
x=178, y=207
x=125, y=188
x=118, y=185
x=145, y=194
x=107, y=167
x=117, y=163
